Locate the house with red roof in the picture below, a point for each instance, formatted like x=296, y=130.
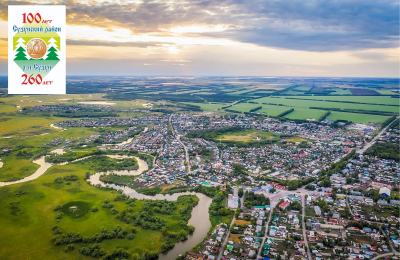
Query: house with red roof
x=284, y=205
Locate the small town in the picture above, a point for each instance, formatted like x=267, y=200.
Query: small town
x=305, y=191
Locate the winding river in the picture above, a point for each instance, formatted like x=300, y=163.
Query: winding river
x=199, y=219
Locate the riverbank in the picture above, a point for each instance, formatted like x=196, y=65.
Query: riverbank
x=32, y=203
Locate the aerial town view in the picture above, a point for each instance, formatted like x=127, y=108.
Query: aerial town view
x=197, y=137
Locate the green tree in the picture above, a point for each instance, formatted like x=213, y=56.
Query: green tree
x=52, y=54
x=240, y=192
x=292, y=185
x=20, y=55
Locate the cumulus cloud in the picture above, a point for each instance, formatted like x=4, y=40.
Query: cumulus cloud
x=114, y=44
x=312, y=25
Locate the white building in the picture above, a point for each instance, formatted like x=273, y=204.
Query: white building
x=384, y=191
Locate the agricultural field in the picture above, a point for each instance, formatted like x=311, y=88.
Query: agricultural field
x=241, y=92
x=208, y=106
x=357, y=118
x=387, y=92
x=300, y=113
x=272, y=110
x=363, y=92
x=303, y=103
x=185, y=91
x=243, y=107
x=384, y=100
x=340, y=91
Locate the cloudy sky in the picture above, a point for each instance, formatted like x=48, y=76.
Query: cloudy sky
x=350, y=38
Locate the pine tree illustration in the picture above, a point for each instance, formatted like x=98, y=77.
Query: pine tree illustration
x=52, y=54
x=20, y=55
x=52, y=43
x=20, y=43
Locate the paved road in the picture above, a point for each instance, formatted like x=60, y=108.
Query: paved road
x=368, y=145
x=266, y=232
x=383, y=255
x=179, y=140
x=221, y=250
x=303, y=202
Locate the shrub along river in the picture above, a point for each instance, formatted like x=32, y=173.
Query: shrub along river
x=200, y=216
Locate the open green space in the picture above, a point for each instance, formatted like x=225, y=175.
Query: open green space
x=385, y=100
x=28, y=212
x=357, y=118
x=340, y=91
x=358, y=238
x=12, y=124
x=208, y=106
x=303, y=103
x=7, y=108
x=16, y=168
x=247, y=135
x=243, y=107
x=241, y=92
x=272, y=110
x=304, y=113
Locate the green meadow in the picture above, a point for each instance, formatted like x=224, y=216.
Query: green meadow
x=247, y=135
x=301, y=113
x=243, y=107
x=271, y=110
x=14, y=169
x=384, y=100
x=357, y=118
x=208, y=106
x=27, y=216
x=301, y=103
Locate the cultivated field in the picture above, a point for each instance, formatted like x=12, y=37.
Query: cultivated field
x=357, y=118
x=208, y=106
x=300, y=113
x=325, y=104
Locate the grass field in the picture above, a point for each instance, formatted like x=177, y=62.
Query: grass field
x=208, y=106
x=12, y=125
x=15, y=169
x=185, y=91
x=304, y=113
x=325, y=104
x=36, y=100
x=293, y=139
x=242, y=222
x=357, y=118
x=243, y=107
x=7, y=108
x=26, y=217
x=271, y=110
x=241, y=92
x=387, y=92
x=385, y=100
x=247, y=136
x=234, y=238
x=340, y=91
